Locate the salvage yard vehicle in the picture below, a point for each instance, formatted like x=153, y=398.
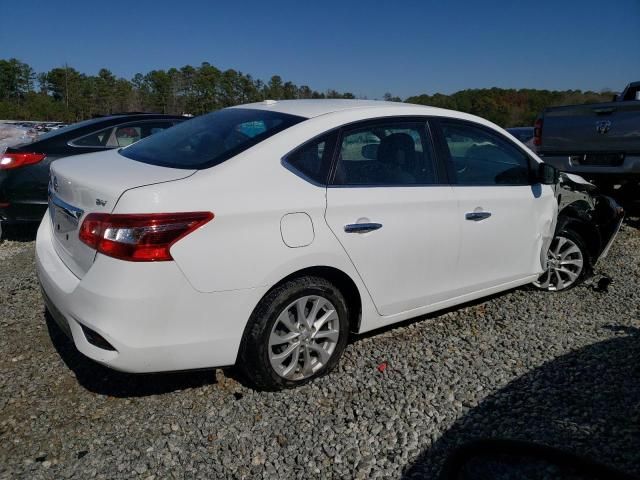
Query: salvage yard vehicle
x=525, y=135
x=588, y=222
x=600, y=142
x=261, y=235
x=24, y=169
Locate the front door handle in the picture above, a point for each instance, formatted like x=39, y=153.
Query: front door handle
x=477, y=216
x=362, y=227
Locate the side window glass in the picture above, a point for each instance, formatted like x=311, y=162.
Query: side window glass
x=126, y=135
x=130, y=133
x=95, y=139
x=480, y=157
x=392, y=154
x=313, y=159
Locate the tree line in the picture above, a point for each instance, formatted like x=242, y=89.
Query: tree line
x=64, y=93
x=509, y=107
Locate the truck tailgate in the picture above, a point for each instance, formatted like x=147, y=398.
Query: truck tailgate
x=596, y=128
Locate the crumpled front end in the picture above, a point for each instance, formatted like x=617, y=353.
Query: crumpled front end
x=599, y=216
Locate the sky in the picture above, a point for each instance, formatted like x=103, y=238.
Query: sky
x=364, y=47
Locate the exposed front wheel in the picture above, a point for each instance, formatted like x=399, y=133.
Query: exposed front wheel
x=297, y=332
x=567, y=263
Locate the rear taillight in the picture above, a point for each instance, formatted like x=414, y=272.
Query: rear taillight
x=143, y=237
x=15, y=160
x=537, y=133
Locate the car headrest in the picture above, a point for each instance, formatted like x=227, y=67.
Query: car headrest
x=397, y=148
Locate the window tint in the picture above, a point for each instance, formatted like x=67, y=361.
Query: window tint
x=252, y=129
x=211, y=139
x=69, y=128
x=385, y=154
x=313, y=159
x=95, y=139
x=127, y=134
x=122, y=135
x=480, y=157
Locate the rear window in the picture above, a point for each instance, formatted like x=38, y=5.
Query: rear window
x=210, y=139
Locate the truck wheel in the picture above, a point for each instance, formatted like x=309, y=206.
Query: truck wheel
x=567, y=263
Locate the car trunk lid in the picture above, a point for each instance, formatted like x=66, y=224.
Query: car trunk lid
x=90, y=183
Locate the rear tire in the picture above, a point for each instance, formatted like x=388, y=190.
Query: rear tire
x=568, y=262
x=297, y=333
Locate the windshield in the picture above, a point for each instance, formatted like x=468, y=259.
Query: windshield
x=210, y=139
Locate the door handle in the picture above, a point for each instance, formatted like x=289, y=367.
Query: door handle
x=362, y=227
x=477, y=216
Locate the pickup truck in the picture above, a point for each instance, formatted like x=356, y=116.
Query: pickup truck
x=600, y=142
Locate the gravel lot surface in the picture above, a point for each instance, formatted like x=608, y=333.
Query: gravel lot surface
x=561, y=369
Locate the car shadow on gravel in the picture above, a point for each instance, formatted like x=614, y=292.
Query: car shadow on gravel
x=20, y=233
x=585, y=404
x=105, y=381
x=633, y=222
x=477, y=304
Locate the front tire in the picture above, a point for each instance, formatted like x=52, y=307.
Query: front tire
x=567, y=263
x=297, y=333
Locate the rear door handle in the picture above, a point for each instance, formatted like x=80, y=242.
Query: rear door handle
x=477, y=216
x=362, y=227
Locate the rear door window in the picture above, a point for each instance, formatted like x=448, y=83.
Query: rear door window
x=124, y=136
x=205, y=141
x=393, y=153
x=95, y=139
x=127, y=134
x=313, y=160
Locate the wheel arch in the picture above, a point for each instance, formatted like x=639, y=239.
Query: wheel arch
x=341, y=280
x=589, y=233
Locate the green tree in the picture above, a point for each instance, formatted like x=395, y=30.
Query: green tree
x=66, y=94
x=275, y=89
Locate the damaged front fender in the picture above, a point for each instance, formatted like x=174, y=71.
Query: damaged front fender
x=582, y=208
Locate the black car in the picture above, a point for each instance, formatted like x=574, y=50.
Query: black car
x=24, y=169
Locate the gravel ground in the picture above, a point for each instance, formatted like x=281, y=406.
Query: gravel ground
x=561, y=369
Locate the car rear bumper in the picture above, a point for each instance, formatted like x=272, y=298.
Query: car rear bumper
x=23, y=195
x=630, y=166
x=148, y=312
x=15, y=213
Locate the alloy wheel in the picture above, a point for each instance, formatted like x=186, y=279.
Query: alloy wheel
x=304, y=337
x=565, y=263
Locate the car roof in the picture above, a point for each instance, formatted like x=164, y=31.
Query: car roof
x=139, y=115
x=314, y=108
x=59, y=137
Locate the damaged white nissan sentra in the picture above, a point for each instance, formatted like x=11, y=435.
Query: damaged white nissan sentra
x=261, y=235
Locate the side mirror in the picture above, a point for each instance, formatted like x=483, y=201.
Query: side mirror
x=548, y=174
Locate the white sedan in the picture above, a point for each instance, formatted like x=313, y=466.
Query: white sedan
x=261, y=235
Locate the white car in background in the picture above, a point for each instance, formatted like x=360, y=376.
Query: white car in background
x=261, y=235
